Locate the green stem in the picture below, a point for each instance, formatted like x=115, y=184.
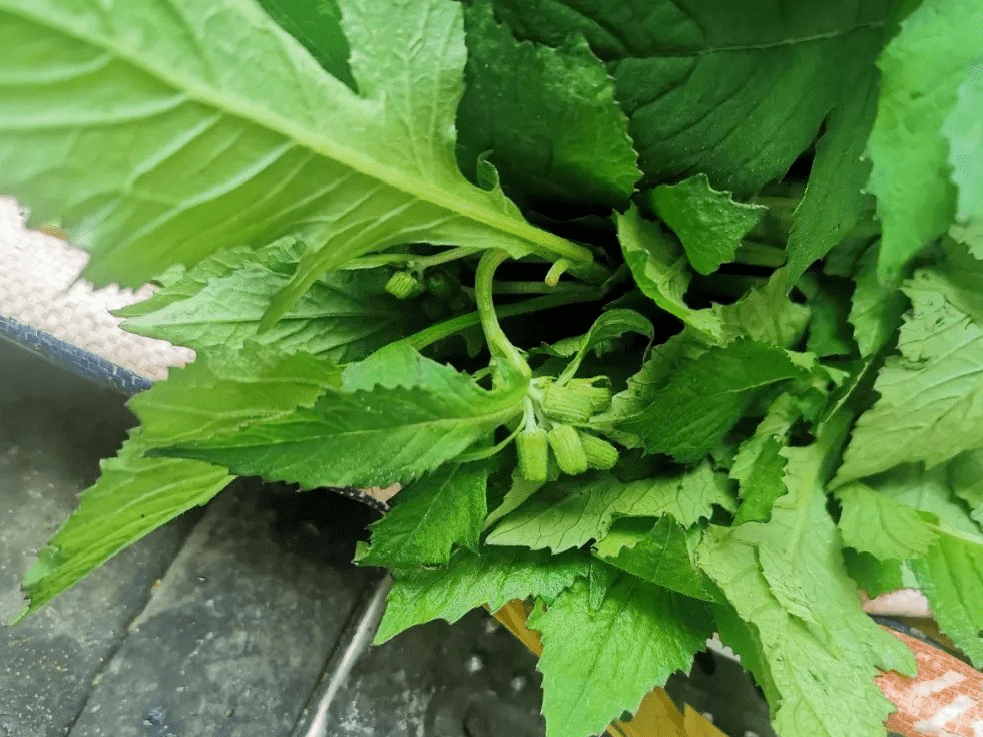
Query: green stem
x=752, y=253
x=498, y=342
x=411, y=260
x=538, y=287
x=441, y=330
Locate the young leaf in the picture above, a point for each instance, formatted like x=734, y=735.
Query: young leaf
x=568, y=513
x=703, y=398
x=429, y=517
x=734, y=90
x=928, y=410
x=709, y=224
x=185, y=149
x=344, y=316
x=922, y=69
x=762, y=478
x=617, y=653
x=876, y=524
x=396, y=417
x=133, y=496
x=661, y=272
x=493, y=578
x=548, y=117
x=784, y=577
x=662, y=554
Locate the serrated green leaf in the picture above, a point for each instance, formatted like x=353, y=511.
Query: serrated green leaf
x=220, y=393
x=703, y=398
x=494, y=578
x=611, y=324
x=963, y=128
x=812, y=646
x=568, y=513
x=429, y=517
x=928, y=410
x=708, y=223
x=875, y=309
x=133, y=496
x=317, y=25
x=876, y=524
x=922, y=69
x=951, y=573
x=219, y=303
x=661, y=272
x=396, y=417
x=617, y=653
x=951, y=577
x=661, y=554
x=835, y=198
x=737, y=91
x=186, y=149
x=548, y=117
x=762, y=482
x=344, y=316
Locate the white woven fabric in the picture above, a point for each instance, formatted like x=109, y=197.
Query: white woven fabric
x=37, y=272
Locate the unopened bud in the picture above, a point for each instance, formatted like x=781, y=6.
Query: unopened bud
x=533, y=449
x=568, y=450
x=600, y=453
x=403, y=285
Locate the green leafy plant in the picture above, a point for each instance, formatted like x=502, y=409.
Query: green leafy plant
x=668, y=316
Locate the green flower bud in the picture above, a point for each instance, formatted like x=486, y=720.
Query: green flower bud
x=403, y=285
x=568, y=449
x=534, y=454
x=600, y=453
x=600, y=396
x=567, y=404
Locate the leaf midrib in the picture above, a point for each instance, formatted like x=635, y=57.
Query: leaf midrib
x=245, y=110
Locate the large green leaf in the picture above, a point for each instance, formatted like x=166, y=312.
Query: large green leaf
x=163, y=131
x=568, y=513
x=708, y=223
x=703, y=398
x=429, y=517
x=805, y=635
x=133, y=496
x=835, y=198
x=963, y=129
x=734, y=90
x=929, y=407
x=494, y=578
x=220, y=303
x=616, y=653
x=548, y=118
x=396, y=417
x=922, y=69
